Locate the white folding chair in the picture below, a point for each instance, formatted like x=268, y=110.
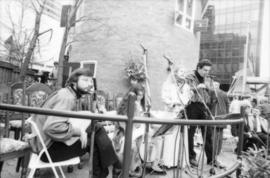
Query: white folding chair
x=36, y=163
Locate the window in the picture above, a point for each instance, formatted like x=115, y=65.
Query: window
x=184, y=14
x=90, y=64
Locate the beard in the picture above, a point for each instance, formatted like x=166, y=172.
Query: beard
x=83, y=91
x=79, y=91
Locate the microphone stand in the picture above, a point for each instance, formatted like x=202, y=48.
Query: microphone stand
x=147, y=105
x=182, y=132
x=93, y=124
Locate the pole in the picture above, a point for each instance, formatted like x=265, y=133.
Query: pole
x=240, y=146
x=61, y=58
x=245, y=60
x=147, y=106
x=91, y=155
x=128, y=135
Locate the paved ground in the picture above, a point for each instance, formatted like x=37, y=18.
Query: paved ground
x=227, y=158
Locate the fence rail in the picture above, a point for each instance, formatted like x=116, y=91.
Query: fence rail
x=102, y=117
x=129, y=120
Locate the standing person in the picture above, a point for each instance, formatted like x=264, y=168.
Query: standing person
x=64, y=139
x=197, y=110
x=220, y=107
x=175, y=95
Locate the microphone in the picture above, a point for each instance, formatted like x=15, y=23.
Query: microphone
x=168, y=59
x=144, y=49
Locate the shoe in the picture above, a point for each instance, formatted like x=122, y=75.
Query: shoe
x=193, y=162
x=116, y=173
x=216, y=164
x=137, y=173
x=157, y=170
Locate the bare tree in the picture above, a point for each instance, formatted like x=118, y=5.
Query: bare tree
x=94, y=25
x=68, y=25
x=23, y=43
x=38, y=6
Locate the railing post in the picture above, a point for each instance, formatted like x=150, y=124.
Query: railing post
x=145, y=149
x=240, y=145
x=128, y=134
x=91, y=155
x=180, y=151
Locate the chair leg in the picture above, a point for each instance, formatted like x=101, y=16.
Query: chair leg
x=1, y=166
x=17, y=133
x=25, y=161
x=62, y=173
x=19, y=162
x=31, y=173
x=55, y=172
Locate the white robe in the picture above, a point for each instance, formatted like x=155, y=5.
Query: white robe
x=173, y=96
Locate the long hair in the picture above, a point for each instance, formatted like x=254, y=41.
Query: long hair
x=243, y=111
x=122, y=109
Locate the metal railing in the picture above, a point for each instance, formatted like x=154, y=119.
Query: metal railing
x=130, y=120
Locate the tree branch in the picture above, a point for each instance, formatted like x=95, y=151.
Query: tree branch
x=46, y=31
x=33, y=42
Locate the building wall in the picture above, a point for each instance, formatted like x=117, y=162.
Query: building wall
x=124, y=26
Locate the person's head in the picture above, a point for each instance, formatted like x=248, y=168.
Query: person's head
x=245, y=110
x=133, y=81
x=138, y=90
x=254, y=102
x=179, y=74
x=203, y=67
x=81, y=80
x=140, y=95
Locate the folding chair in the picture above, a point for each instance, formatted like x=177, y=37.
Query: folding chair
x=35, y=161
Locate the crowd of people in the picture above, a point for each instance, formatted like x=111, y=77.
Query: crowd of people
x=194, y=96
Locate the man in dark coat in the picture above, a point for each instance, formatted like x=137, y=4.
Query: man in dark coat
x=64, y=139
x=198, y=109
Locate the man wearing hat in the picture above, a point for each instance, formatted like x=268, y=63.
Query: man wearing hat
x=65, y=140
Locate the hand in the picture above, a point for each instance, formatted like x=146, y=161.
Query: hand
x=181, y=114
x=83, y=138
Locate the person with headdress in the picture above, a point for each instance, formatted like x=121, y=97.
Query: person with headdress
x=137, y=134
x=135, y=169
x=175, y=94
x=63, y=138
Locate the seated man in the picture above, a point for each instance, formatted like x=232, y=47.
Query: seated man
x=252, y=130
x=65, y=140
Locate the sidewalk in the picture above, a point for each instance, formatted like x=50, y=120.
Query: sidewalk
x=226, y=158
